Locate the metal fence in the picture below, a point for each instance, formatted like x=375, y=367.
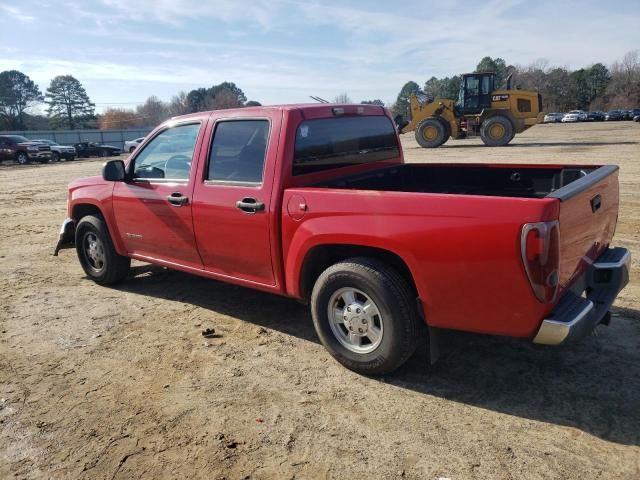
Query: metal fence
x=71, y=137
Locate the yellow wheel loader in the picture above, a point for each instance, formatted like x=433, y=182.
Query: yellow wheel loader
x=495, y=115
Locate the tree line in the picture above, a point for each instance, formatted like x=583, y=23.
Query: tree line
x=68, y=105
x=595, y=87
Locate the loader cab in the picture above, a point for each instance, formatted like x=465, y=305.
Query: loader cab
x=475, y=92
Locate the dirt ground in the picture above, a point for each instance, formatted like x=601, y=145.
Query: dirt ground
x=119, y=383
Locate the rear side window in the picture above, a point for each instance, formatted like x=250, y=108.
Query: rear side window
x=342, y=141
x=238, y=150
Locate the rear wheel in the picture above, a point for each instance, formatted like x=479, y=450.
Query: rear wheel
x=131, y=149
x=104, y=153
x=431, y=133
x=496, y=131
x=96, y=253
x=365, y=315
x=22, y=158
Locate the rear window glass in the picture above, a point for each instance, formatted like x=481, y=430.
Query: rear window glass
x=338, y=142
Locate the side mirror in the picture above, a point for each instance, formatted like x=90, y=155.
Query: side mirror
x=113, y=171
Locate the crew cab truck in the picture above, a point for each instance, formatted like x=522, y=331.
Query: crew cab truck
x=22, y=150
x=316, y=203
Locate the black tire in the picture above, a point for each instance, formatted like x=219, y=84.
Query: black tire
x=496, y=131
x=131, y=149
x=431, y=133
x=55, y=157
x=105, y=153
x=22, y=158
x=113, y=268
x=393, y=298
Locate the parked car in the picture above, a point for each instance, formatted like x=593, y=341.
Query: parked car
x=315, y=202
x=59, y=151
x=554, y=117
x=614, y=115
x=582, y=115
x=595, y=116
x=633, y=113
x=131, y=145
x=571, y=117
x=23, y=150
x=90, y=149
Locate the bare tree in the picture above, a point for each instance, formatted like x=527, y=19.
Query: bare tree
x=178, y=105
x=342, y=98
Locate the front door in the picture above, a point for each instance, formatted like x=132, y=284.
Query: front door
x=232, y=206
x=153, y=210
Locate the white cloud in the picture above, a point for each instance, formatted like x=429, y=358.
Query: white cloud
x=16, y=13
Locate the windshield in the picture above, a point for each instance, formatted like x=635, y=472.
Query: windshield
x=338, y=142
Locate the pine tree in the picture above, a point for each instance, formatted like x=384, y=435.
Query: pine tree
x=69, y=104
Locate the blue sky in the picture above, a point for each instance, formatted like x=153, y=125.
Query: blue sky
x=282, y=51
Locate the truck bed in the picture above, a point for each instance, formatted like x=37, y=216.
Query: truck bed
x=465, y=179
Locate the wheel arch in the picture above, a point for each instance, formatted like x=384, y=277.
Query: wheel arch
x=84, y=208
x=320, y=257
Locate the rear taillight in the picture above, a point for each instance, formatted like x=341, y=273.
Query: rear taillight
x=540, y=247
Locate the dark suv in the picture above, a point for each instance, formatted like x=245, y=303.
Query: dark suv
x=22, y=150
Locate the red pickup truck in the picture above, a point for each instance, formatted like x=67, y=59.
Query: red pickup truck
x=316, y=203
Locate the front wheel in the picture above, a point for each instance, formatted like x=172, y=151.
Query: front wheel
x=96, y=253
x=365, y=315
x=22, y=158
x=55, y=157
x=105, y=153
x=431, y=133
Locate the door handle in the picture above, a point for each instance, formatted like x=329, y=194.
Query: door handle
x=250, y=205
x=177, y=199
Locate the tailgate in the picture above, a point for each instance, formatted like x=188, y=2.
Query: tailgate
x=588, y=216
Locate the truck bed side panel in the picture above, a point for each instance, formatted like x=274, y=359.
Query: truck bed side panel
x=464, y=254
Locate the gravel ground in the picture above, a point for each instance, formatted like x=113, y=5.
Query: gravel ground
x=118, y=382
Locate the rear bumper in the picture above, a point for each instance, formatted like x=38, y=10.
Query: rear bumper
x=576, y=316
x=66, y=237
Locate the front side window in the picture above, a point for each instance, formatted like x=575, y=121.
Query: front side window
x=238, y=150
x=169, y=154
x=329, y=143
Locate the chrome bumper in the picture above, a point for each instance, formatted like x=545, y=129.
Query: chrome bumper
x=66, y=238
x=576, y=315
x=37, y=155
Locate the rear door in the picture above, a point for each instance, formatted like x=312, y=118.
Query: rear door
x=153, y=210
x=588, y=216
x=232, y=208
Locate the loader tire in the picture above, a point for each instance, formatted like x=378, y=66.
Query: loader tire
x=496, y=131
x=431, y=133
